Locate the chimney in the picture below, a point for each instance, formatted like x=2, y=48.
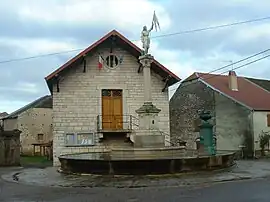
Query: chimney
x=233, y=84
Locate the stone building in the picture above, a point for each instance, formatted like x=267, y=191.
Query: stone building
x=96, y=95
x=240, y=107
x=34, y=121
x=2, y=115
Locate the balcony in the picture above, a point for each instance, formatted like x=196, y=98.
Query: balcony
x=117, y=123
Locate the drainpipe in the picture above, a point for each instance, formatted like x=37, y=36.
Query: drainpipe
x=252, y=132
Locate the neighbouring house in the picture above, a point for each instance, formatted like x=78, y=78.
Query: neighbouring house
x=34, y=121
x=96, y=93
x=2, y=115
x=240, y=107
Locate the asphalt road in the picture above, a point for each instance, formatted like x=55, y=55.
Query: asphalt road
x=246, y=191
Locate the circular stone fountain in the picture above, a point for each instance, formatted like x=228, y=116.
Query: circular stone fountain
x=143, y=161
x=152, y=160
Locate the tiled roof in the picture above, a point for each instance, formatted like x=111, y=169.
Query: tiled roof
x=252, y=95
x=42, y=102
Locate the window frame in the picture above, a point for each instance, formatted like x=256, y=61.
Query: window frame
x=76, y=140
x=40, y=135
x=108, y=58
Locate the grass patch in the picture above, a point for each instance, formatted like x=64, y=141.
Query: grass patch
x=35, y=161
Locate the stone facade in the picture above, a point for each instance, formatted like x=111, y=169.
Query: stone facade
x=230, y=119
x=233, y=123
x=78, y=102
x=185, y=104
x=35, y=125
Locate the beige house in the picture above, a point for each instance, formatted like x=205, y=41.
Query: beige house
x=96, y=93
x=35, y=122
x=240, y=108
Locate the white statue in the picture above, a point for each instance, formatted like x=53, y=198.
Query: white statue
x=145, y=38
x=145, y=34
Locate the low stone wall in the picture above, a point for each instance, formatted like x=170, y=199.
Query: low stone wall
x=148, y=153
x=10, y=148
x=104, y=163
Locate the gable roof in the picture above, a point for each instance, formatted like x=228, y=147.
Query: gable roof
x=249, y=94
x=121, y=40
x=42, y=102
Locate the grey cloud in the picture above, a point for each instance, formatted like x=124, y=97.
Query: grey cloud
x=29, y=71
x=185, y=15
x=188, y=15
x=12, y=26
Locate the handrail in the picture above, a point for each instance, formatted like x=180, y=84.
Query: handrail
x=128, y=122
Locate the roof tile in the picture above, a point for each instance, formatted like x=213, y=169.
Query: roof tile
x=249, y=93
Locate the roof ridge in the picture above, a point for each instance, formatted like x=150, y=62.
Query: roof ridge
x=257, y=85
x=24, y=108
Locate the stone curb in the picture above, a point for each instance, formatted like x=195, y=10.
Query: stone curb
x=14, y=177
x=189, y=173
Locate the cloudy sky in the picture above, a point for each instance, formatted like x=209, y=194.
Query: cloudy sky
x=35, y=27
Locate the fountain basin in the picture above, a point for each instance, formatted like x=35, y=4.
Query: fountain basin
x=143, y=161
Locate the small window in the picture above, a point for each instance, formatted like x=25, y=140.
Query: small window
x=112, y=61
x=268, y=120
x=106, y=92
x=116, y=93
x=70, y=139
x=40, y=137
x=85, y=139
x=80, y=139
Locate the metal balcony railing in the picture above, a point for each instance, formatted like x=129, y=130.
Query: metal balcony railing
x=117, y=123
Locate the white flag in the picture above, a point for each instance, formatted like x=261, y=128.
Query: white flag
x=155, y=21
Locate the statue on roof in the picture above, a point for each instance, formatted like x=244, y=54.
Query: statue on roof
x=145, y=34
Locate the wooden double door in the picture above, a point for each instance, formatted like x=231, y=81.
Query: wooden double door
x=112, y=109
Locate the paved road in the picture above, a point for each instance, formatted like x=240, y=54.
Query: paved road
x=246, y=191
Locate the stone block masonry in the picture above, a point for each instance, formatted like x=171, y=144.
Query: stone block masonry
x=77, y=105
x=230, y=119
x=189, y=98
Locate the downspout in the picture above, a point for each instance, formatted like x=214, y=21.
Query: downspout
x=252, y=132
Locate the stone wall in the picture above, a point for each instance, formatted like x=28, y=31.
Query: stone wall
x=233, y=122
x=9, y=148
x=189, y=98
x=76, y=106
x=31, y=123
x=36, y=127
